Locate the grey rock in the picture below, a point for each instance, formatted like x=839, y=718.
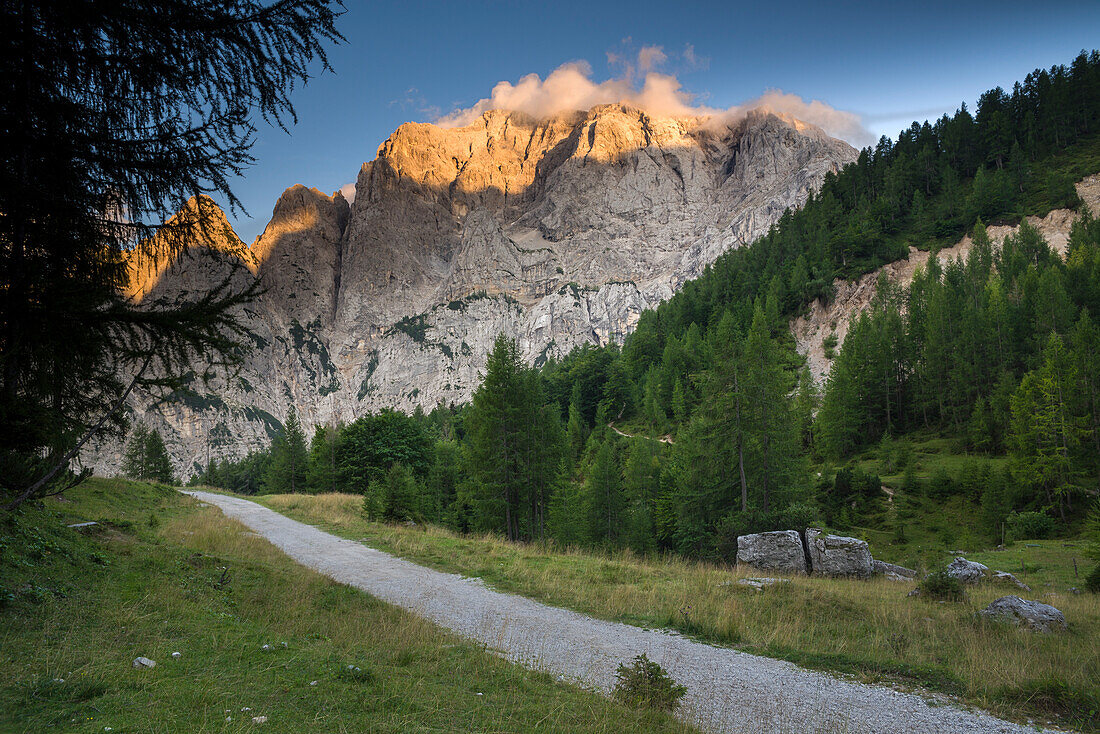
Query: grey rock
x=893, y=571
x=761, y=583
x=1007, y=578
x=780, y=550
x=968, y=572
x=141, y=662
x=1031, y=614
x=837, y=555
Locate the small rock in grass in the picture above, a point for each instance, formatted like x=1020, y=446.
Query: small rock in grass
x=177, y=655
x=284, y=644
x=245, y=708
x=265, y=648
x=313, y=682
x=141, y=662
x=1005, y=577
x=761, y=583
x=1031, y=614
x=893, y=571
x=259, y=719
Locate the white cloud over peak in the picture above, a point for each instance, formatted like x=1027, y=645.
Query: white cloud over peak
x=572, y=87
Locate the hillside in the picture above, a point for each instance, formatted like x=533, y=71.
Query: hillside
x=558, y=232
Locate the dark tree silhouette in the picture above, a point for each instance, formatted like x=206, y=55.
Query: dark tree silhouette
x=114, y=117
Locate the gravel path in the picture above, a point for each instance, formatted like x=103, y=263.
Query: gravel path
x=728, y=691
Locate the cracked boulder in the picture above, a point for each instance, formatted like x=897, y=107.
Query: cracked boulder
x=1022, y=612
x=968, y=572
x=780, y=550
x=837, y=555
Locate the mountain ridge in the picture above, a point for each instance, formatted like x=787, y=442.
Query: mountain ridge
x=558, y=232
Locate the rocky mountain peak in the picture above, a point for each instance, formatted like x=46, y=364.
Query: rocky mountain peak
x=558, y=232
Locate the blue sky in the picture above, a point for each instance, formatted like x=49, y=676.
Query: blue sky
x=887, y=62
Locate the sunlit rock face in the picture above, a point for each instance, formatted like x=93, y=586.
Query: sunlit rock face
x=557, y=232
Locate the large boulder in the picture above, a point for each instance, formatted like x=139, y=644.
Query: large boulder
x=837, y=555
x=780, y=550
x=892, y=572
x=968, y=572
x=1031, y=614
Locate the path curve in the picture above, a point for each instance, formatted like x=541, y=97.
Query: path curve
x=728, y=690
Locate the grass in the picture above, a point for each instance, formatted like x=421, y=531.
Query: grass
x=161, y=573
x=868, y=629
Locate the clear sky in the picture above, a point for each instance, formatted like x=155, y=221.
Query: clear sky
x=887, y=62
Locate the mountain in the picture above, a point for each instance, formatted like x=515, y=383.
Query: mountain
x=559, y=232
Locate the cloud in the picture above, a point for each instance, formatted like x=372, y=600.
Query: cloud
x=348, y=190
x=837, y=123
x=650, y=58
x=692, y=61
x=571, y=87
x=416, y=102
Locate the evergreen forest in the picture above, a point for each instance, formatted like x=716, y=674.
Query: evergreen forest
x=707, y=423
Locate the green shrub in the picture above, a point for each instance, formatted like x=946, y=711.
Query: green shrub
x=941, y=586
x=1030, y=525
x=1092, y=581
x=645, y=684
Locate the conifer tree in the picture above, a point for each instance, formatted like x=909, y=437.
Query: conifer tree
x=289, y=459
x=158, y=463
x=322, y=473
x=116, y=117
x=134, y=460
x=603, y=490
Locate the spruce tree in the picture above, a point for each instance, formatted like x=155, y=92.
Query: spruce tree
x=322, y=474
x=603, y=489
x=134, y=460
x=289, y=459
x=157, y=462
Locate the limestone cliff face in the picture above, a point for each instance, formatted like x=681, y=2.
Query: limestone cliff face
x=557, y=232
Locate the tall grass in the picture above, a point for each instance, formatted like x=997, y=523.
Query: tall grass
x=869, y=629
x=174, y=576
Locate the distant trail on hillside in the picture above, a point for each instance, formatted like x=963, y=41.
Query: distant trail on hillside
x=662, y=439
x=727, y=690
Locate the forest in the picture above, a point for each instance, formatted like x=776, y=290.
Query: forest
x=707, y=424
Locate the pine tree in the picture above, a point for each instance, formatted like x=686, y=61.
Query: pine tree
x=603, y=489
x=134, y=460
x=498, y=454
x=157, y=462
x=1047, y=429
x=322, y=473
x=116, y=116
x=289, y=459
x=146, y=457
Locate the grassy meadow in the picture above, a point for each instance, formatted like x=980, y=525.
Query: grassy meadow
x=868, y=629
x=160, y=573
